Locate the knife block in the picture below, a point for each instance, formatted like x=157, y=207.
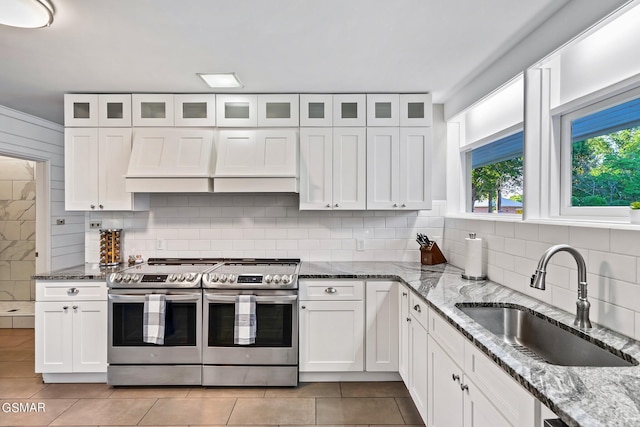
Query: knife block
x=431, y=254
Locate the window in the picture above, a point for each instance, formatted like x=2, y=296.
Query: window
x=496, y=176
x=601, y=157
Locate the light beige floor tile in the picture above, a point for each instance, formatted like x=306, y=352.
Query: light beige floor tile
x=306, y=390
x=366, y=410
x=189, y=411
x=408, y=410
x=226, y=392
x=148, y=392
x=374, y=389
x=17, y=369
x=52, y=409
x=279, y=411
x=105, y=412
x=20, y=388
x=78, y=391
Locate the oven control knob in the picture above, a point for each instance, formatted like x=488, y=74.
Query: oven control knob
x=215, y=278
x=223, y=278
x=126, y=278
x=267, y=278
x=276, y=279
x=172, y=277
x=286, y=279
x=180, y=277
x=190, y=276
x=117, y=277
x=232, y=278
x=135, y=278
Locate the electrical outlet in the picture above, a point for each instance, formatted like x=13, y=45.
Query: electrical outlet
x=360, y=245
x=60, y=221
x=161, y=244
x=95, y=224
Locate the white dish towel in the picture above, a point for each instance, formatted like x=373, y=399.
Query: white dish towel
x=154, y=314
x=244, y=332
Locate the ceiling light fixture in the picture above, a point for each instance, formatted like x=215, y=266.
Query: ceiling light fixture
x=221, y=80
x=26, y=13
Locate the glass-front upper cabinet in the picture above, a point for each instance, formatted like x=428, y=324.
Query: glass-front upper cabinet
x=152, y=109
x=114, y=110
x=93, y=110
x=278, y=110
x=415, y=110
x=237, y=110
x=316, y=110
x=349, y=110
x=194, y=110
x=383, y=109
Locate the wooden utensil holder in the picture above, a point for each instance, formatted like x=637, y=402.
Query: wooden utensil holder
x=431, y=254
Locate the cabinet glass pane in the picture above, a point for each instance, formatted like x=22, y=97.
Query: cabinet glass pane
x=316, y=110
x=114, y=110
x=236, y=110
x=415, y=110
x=278, y=110
x=349, y=110
x=383, y=110
x=81, y=110
x=194, y=110
x=152, y=110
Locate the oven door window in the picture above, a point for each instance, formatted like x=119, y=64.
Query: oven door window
x=273, y=325
x=180, y=324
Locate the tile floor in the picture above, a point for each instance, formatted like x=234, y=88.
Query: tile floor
x=354, y=404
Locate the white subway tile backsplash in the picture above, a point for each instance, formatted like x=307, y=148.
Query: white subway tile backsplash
x=590, y=238
x=553, y=234
x=626, y=242
x=526, y=231
x=515, y=246
x=506, y=229
x=621, y=267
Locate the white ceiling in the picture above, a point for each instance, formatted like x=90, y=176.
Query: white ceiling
x=127, y=46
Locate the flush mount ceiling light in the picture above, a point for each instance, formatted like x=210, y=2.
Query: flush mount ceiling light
x=221, y=80
x=26, y=13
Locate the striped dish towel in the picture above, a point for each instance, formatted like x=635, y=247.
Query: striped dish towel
x=154, y=314
x=244, y=332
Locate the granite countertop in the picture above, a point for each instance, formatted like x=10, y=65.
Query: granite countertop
x=580, y=396
x=88, y=271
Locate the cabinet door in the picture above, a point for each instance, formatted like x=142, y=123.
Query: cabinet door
x=278, y=111
x=277, y=152
x=349, y=110
x=194, y=110
x=383, y=168
x=237, y=110
x=349, y=168
x=114, y=151
x=416, y=110
x=114, y=110
x=316, y=110
x=383, y=110
x=81, y=169
x=418, y=366
x=53, y=337
x=316, y=169
x=478, y=410
x=331, y=336
x=445, y=397
x=89, y=336
x=403, y=356
x=152, y=110
x=81, y=110
x=415, y=168
x=381, y=326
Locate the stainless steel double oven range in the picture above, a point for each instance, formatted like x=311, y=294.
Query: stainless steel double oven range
x=199, y=325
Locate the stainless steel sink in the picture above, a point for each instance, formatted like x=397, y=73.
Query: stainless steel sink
x=537, y=336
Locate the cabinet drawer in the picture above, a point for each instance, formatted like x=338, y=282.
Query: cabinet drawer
x=343, y=290
x=86, y=290
x=447, y=336
x=419, y=309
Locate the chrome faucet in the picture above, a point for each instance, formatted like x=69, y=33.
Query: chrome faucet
x=583, y=304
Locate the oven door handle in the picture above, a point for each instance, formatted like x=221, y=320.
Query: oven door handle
x=140, y=298
x=275, y=299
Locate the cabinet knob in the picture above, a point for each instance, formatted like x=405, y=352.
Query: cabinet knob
x=75, y=307
x=417, y=308
x=408, y=319
x=331, y=290
x=395, y=205
x=93, y=206
x=73, y=291
x=101, y=206
x=303, y=307
x=65, y=307
x=464, y=387
x=404, y=294
x=337, y=205
x=455, y=377
x=328, y=205
x=403, y=205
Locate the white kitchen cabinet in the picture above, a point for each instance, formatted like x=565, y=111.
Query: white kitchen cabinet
x=96, y=161
x=332, y=168
x=194, y=110
x=398, y=168
x=416, y=110
x=349, y=110
x=403, y=338
x=418, y=365
x=445, y=398
x=114, y=110
x=152, y=109
x=71, y=331
x=237, y=110
x=383, y=109
x=316, y=110
x=93, y=110
x=331, y=326
x=278, y=110
x=381, y=332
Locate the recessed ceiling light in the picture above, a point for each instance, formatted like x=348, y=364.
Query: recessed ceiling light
x=221, y=80
x=26, y=13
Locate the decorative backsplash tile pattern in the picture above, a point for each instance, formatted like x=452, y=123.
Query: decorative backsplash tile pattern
x=17, y=229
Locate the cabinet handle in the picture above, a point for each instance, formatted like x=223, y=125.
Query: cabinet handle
x=455, y=377
x=331, y=290
x=464, y=387
x=75, y=307
x=65, y=307
x=93, y=206
x=417, y=308
x=303, y=307
x=73, y=291
x=408, y=319
x=404, y=294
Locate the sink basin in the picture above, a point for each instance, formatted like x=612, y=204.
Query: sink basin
x=537, y=336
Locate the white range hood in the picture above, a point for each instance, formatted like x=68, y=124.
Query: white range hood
x=171, y=160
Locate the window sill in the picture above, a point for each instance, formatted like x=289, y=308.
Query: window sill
x=622, y=224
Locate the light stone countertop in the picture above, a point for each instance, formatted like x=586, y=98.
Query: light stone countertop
x=87, y=271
